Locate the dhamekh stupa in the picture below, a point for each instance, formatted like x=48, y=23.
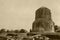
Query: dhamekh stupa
x=43, y=21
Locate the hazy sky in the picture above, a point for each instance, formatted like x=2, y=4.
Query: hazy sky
x=17, y=14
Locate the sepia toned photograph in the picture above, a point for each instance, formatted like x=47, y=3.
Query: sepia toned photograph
x=29, y=19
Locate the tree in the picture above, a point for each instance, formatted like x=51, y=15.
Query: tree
x=2, y=31
x=8, y=31
x=30, y=30
x=23, y=31
x=55, y=27
x=16, y=31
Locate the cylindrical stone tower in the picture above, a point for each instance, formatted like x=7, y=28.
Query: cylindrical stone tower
x=43, y=21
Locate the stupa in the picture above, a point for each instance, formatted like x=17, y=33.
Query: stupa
x=43, y=21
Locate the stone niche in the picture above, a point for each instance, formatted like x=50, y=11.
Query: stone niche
x=43, y=21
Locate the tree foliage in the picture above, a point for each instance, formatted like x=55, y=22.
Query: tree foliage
x=23, y=31
x=2, y=30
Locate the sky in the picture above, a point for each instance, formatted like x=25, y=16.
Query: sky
x=20, y=14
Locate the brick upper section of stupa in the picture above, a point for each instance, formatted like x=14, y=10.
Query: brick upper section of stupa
x=43, y=12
